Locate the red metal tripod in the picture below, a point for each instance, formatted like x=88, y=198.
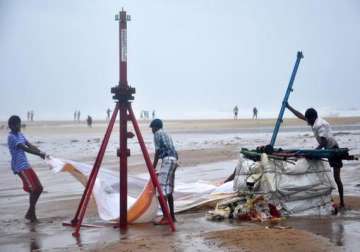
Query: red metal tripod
x=123, y=94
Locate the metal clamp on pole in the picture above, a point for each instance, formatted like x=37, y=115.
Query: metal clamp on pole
x=123, y=94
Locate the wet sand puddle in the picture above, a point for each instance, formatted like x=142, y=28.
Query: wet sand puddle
x=342, y=230
x=191, y=234
x=50, y=235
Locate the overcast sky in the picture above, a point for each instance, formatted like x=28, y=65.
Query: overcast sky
x=187, y=59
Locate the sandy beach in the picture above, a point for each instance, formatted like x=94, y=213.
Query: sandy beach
x=208, y=150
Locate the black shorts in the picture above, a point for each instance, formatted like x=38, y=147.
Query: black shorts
x=335, y=162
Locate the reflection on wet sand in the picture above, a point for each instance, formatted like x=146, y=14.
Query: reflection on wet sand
x=338, y=234
x=341, y=230
x=78, y=241
x=34, y=244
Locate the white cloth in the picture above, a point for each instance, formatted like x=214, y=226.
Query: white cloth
x=321, y=128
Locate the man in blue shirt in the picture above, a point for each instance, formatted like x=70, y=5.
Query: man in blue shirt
x=165, y=150
x=18, y=145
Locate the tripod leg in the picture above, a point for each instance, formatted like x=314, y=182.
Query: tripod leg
x=79, y=216
x=151, y=169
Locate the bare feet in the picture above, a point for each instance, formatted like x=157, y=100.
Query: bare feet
x=31, y=216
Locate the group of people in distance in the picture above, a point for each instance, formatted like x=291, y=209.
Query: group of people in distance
x=164, y=151
x=30, y=115
x=89, y=119
x=236, y=112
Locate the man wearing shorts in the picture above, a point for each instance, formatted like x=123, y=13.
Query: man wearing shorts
x=18, y=145
x=325, y=138
x=165, y=150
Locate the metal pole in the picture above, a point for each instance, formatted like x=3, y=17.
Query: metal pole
x=123, y=84
x=286, y=97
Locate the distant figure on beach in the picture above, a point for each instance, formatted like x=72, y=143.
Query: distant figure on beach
x=89, y=121
x=255, y=113
x=78, y=116
x=32, y=115
x=18, y=145
x=153, y=114
x=165, y=150
x=108, y=111
x=326, y=140
x=28, y=116
x=144, y=115
x=75, y=115
x=236, y=111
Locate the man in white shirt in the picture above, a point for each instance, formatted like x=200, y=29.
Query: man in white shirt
x=323, y=135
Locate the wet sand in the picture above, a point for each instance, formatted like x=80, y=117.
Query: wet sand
x=334, y=233
x=201, y=144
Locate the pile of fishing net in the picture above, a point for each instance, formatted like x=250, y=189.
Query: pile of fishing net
x=272, y=187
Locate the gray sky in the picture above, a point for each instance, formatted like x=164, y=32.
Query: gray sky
x=187, y=59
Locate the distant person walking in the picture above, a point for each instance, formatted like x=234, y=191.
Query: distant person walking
x=28, y=115
x=108, y=111
x=144, y=115
x=236, y=111
x=153, y=114
x=326, y=140
x=78, y=116
x=18, y=145
x=255, y=113
x=32, y=115
x=75, y=115
x=89, y=121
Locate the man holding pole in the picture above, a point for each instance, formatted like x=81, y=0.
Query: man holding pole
x=324, y=136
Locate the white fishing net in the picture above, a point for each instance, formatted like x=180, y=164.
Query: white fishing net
x=298, y=188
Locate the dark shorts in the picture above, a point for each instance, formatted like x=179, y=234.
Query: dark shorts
x=335, y=162
x=31, y=182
